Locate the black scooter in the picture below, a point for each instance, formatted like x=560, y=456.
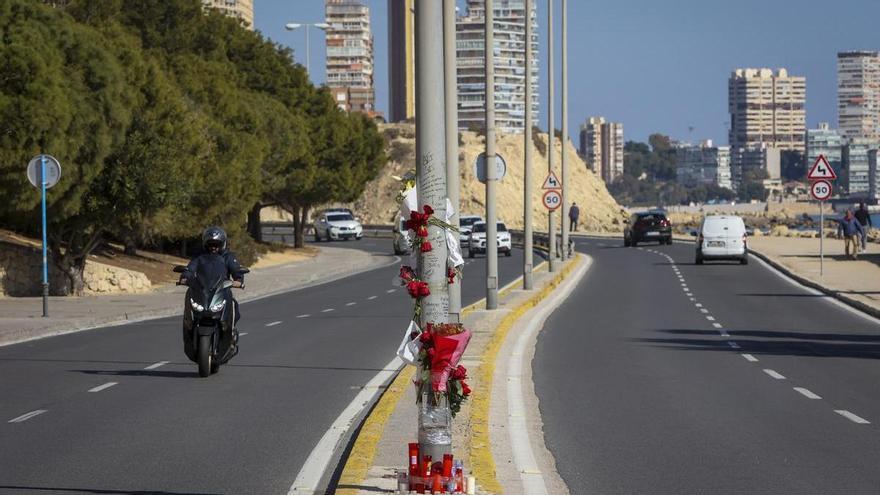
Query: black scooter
x=209, y=335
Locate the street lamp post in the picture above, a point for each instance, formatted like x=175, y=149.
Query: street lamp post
x=290, y=26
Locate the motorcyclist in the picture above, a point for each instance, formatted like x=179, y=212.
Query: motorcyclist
x=217, y=262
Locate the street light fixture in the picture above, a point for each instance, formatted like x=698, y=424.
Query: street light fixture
x=323, y=26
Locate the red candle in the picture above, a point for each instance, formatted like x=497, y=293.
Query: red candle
x=447, y=465
x=414, y=459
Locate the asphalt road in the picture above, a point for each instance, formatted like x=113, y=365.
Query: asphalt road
x=660, y=376
x=125, y=411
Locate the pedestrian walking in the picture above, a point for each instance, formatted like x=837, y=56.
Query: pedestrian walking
x=573, y=214
x=864, y=218
x=850, y=228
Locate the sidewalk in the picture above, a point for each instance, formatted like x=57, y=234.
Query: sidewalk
x=480, y=435
x=855, y=282
x=22, y=319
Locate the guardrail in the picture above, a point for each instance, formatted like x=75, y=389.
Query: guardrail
x=541, y=241
x=282, y=232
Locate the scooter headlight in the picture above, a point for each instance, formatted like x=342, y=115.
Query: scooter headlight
x=218, y=306
x=196, y=306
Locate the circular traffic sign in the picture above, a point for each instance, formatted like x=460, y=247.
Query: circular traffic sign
x=552, y=199
x=821, y=190
x=53, y=171
x=480, y=167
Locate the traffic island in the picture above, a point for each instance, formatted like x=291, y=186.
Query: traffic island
x=380, y=451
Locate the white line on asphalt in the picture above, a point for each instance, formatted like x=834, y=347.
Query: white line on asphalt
x=692, y=299
x=717, y=325
x=303, y=316
x=733, y=344
x=102, y=387
x=350, y=304
x=852, y=417
x=242, y=334
x=157, y=365
x=371, y=298
x=724, y=333
x=25, y=417
x=774, y=374
x=273, y=323
x=750, y=358
x=684, y=285
x=389, y=291
x=699, y=305
x=688, y=293
x=704, y=310
x=710, y=318
x=328, y=310
x=313, y=469
x=806, y=393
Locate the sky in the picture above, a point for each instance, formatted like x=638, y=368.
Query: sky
x=655, y=66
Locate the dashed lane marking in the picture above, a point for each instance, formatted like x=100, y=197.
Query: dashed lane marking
x=371, y=298
x=717, y=325
x=774, y=374
x=328, y=310
x=710, y=318
x=273, y=323
x=806, y=393
x=103, y=387
x=390, y=291
x=157, y=365
x=704, y=310
x=351, y=303
x=699, y=305
x=304, y=316
x=242, y=334
x=750, y=358
x=27, y=416
x=852, y=417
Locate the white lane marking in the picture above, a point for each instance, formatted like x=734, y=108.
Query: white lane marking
x=774, y=374
x=157, y=365
x=390, y=291
x=717, y=325
x=273, y=323
x=684, y=285
x=688, y=293
x=371, y=298
x=327, y=310
x=704, y=310
x=733, y=344
x=750, y=358
x=724, y=333
x=699, y=305
x=710, y=318
x=806, y=393
x=27, y=416
x=350, y=304
x=316, y=464
x=852, y=417
x=692, y=299
x=242, y=334
x=304, y=316
x=102, y=387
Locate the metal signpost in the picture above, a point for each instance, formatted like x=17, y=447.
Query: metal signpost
x=480, y=167
x=44, y=171
x=821, y=174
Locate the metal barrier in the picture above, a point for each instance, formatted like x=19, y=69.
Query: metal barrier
x=541, y=240
x=282, y=232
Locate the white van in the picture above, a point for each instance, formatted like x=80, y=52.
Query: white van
x=722, y=237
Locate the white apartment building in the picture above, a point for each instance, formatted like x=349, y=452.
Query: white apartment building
x=509, y=65
x=856, y=154
x=601, y=145
x=242, y=9
x=827, y=142
x=350, y=55
x=703, y=165
x=858, y=94
x=766, y=109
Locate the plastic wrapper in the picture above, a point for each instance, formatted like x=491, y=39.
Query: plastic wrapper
x=435, y=420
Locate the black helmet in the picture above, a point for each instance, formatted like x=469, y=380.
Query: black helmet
x=214, y=236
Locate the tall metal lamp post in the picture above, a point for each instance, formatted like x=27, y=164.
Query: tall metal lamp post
x=323, y=26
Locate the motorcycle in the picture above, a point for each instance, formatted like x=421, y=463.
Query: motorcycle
x=209, y=334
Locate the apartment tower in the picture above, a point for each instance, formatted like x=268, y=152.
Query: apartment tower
x=858, y=94
x=509, y=60
x=601, y=145
x=766, y=109
x=242, y=9
x=401, y=60
x=350, y=55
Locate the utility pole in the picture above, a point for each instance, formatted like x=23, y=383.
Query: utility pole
x=452, y=173
x=435, y=419
x=491, y=169
x=564, y=215
x=551, y=134
x=527, y=166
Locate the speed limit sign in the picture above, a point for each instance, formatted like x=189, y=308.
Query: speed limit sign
x=821, y=190
x=552, y=199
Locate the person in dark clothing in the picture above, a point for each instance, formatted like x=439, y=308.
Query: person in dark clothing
x=850, y=228
x=864, y=218
x=573, y=214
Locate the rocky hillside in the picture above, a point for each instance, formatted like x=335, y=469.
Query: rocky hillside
x=599, y=211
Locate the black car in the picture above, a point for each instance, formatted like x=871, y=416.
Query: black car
x=647, y=226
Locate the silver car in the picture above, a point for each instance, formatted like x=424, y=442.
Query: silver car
x=401, y=237
x=466, y=224
x=333, y=226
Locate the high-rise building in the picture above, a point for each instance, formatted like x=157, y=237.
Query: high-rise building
x=766, y=109
x=857, y=167
x=744, y=160
x=243, y=9
x=350, y=55
x=703, y=165
x=401, y=60
x=601, y=145
x=824, y=141
x=858, y=94
x=509, y=64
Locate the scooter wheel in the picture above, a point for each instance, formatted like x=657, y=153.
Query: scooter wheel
x=204, y=355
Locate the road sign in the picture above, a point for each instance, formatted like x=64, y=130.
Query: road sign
x=53, y=171
x=480, y=167
x=821, y=190
x=552, y=199
x=551, y=182
x=821, y=170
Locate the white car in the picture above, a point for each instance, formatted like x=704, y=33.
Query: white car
x=465, y=224
x=477, y=239
x=722, y=237
x=336, y=225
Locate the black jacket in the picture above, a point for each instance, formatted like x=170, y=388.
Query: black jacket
x=574, y=212
x=214, y=266
x=863, y=217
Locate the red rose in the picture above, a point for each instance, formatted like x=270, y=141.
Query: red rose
x=450, y=274
x=413, y=288
x=424, y=290
x=459, y=373
x=425, y=337
x=407, y=273
x=428, y=211
x=426, y=246
x=422, y=232
x=465, y=389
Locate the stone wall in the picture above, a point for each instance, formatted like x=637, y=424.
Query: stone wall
x=21, y=275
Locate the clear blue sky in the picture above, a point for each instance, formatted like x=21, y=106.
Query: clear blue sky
x=656, y=66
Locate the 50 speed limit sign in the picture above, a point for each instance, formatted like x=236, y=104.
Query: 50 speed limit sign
x=821, y=190
x=552, y=199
